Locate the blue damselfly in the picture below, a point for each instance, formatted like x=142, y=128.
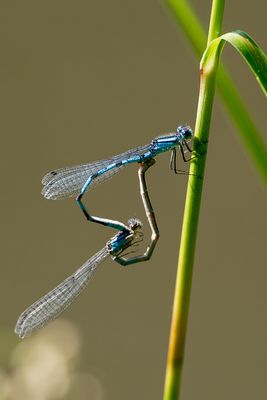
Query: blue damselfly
x=74, y=181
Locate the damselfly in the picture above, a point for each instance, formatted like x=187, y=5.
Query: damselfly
x=74, y=181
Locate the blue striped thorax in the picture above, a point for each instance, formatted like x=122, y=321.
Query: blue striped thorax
x=171, y=140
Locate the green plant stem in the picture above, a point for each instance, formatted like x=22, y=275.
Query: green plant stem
x=190, y=223
x=215, y=23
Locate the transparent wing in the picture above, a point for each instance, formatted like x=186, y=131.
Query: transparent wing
x=55, y=302
x=68, y=182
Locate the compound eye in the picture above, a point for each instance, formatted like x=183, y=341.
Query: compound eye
x=185, y=131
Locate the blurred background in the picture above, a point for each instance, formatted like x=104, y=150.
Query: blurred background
x=82, y=81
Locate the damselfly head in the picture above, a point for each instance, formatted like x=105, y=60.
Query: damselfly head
x=126, y=238
x=184, y=132
x=135, y=224
x=136, y=235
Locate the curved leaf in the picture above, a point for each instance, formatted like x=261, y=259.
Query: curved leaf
x=246, y=46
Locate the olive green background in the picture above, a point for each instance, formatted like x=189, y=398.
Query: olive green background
x=85, y=80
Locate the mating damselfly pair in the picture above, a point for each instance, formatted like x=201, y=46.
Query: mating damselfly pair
x=75, y=181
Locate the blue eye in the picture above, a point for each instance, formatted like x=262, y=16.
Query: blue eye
x=185, y=131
